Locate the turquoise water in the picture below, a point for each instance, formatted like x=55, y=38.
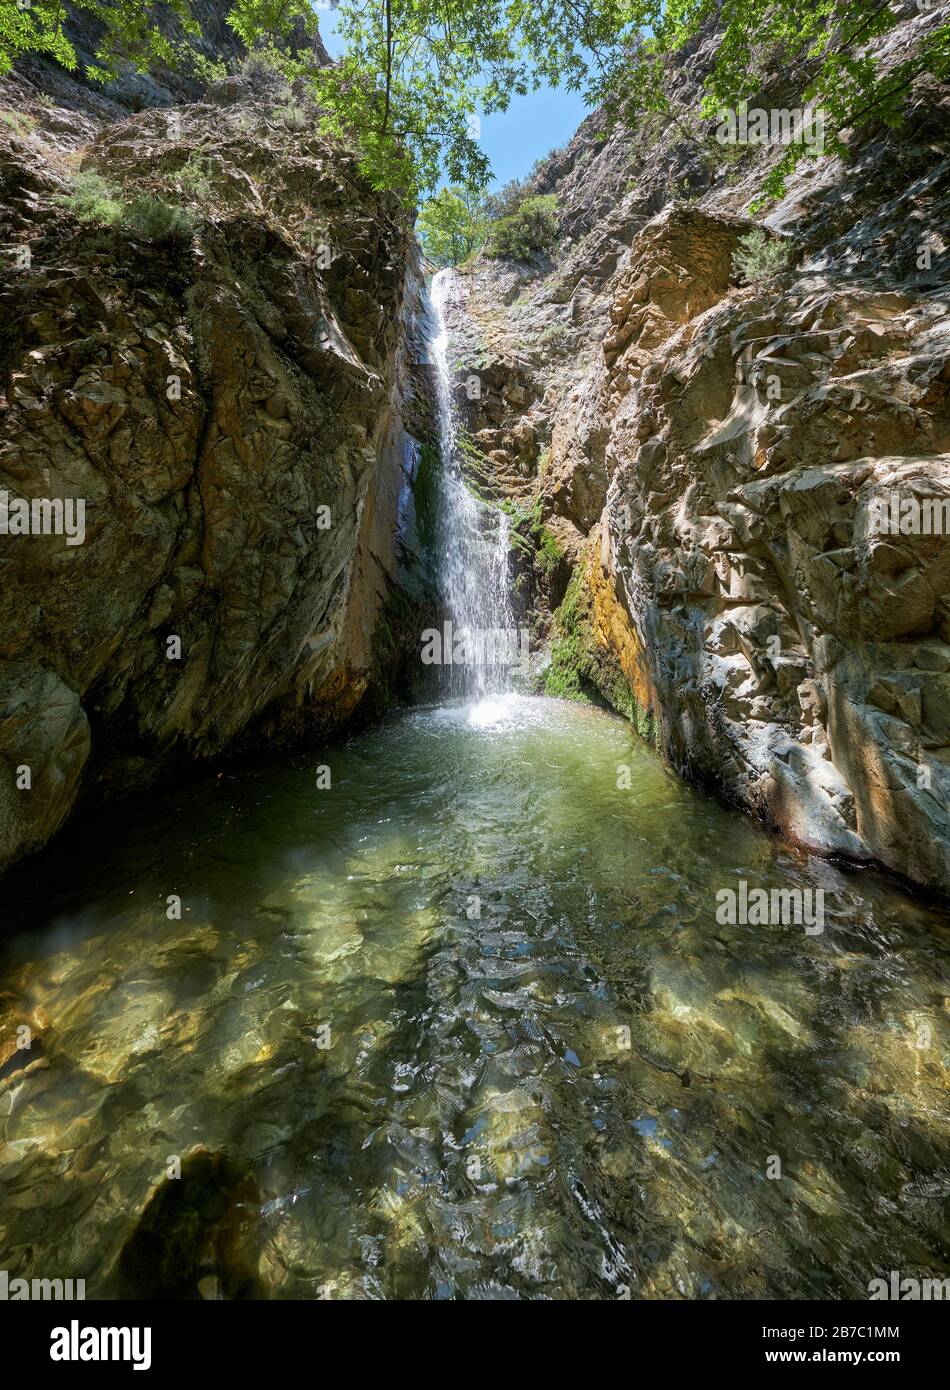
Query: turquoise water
x=465, y=1025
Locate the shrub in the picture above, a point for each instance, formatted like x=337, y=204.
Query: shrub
x=262, y=71
x=507, y=200
x=194, y=177
x=556, y=336
x=291, y=117
x=152, y=218
x=19, y=123
x=532, y=227
x=760, y=257
x=93, y=199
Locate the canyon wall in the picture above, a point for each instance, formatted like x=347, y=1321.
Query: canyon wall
x=699, y=466
x=230, y=399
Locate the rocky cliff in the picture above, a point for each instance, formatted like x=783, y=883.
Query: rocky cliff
x=220, y=384
x=704, y=471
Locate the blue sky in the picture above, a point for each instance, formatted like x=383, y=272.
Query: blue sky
x=513, y=139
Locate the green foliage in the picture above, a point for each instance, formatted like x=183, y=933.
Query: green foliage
x=556, y=337
x=506, y=200
x=93, y=199
x=194, y=177
x=451, y=226
x=415, y=74
x=264, y=67
x=205, y=69
x=823, y=43
x=19, y=123
x=292, y=117
x=548, y=554
x=529, y=534
x=268, y=23
x=128, y=32
x=760, y=257
x=152, y=218
x=531, y=227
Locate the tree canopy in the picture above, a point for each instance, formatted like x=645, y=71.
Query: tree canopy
x=452, y=225
x=416, y=75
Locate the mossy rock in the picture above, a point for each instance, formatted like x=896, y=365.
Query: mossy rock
x=581, y=668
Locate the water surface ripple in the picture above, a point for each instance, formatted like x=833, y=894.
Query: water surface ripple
x=465, y=1026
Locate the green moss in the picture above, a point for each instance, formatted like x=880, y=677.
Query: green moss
x=548, y=554
x=530, y=535
x=580, y=668
x=425, y=495
x=564, y=678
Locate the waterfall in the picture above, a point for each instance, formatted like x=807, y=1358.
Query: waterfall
x=473, y=541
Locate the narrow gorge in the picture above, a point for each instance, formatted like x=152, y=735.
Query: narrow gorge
x=475, y=803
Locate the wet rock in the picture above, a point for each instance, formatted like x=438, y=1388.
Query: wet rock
x=197, y=1236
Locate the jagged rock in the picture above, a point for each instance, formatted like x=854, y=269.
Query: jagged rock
x=230, y=407
x=718, y=455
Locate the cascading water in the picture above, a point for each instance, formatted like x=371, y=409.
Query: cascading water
x=473, y=540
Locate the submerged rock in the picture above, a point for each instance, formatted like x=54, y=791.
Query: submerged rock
x=197, y=1237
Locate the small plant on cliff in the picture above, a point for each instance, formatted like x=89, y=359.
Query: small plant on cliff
x=759, y=257
x=151, y=217
x=292, y=117
x=532, y=227
x=529, y=533
x=20, y=125
x=93, y=199
x=556, y=337
x=262, y=70
x=194, y=177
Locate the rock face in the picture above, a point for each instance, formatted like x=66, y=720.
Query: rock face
x=229, y=404
x=728, y=467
